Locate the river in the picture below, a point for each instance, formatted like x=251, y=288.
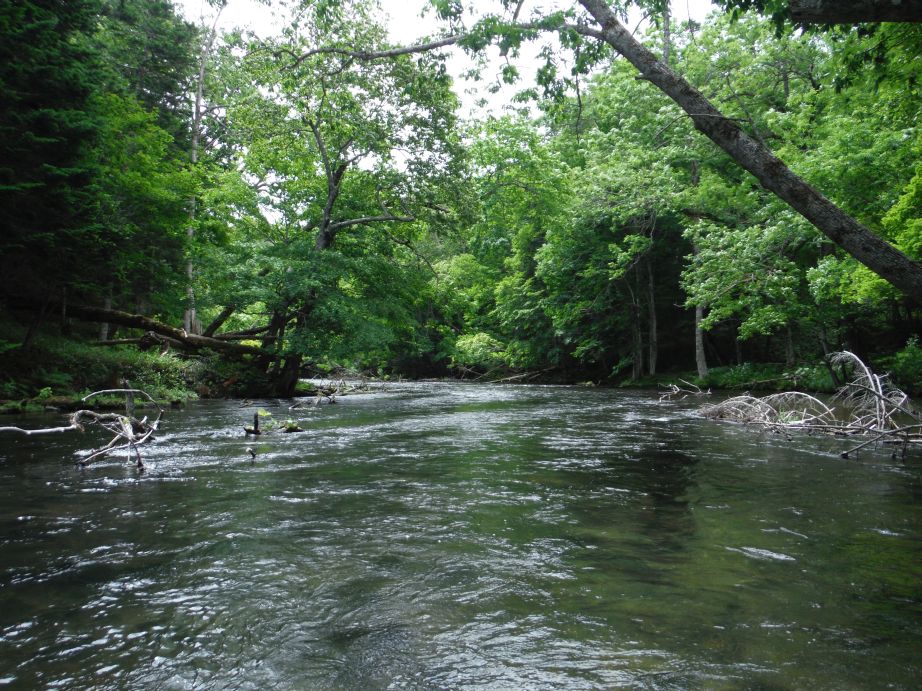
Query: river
x=456, y=536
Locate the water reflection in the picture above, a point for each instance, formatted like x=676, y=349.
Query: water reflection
x=447, y=536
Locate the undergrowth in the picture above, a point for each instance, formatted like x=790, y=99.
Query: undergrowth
x=55, y=367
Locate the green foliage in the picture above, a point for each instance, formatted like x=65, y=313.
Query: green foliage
x=218, y=376
x=478, y=350
x=762, y=284
x=770, y=377
x=142, y=200
x=905, y=367
x=64, y=366
x=336, y=204
x=151, y=53
x=903, y=221
x=46, y=127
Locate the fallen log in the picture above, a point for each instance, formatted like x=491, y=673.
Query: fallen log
x=178, y=335
x=141, y=322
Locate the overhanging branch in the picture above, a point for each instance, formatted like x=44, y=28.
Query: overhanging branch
x=855, y=11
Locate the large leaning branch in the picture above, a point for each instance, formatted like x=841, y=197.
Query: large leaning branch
x=137, y=321
x=857, y=240
x=855, y=11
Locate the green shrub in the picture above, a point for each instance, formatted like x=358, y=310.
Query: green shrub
x=478, y=350
x=905, y=367
x=217, y=376
x=771, y=377
x=62, y=366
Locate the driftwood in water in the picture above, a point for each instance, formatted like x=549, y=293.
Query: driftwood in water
x=867, y=406
x=332, y=389
x=255, y=428
x=674, y=392
x=128, y=432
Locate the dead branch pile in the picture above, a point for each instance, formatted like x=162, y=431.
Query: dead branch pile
x=867, y=406
x=128, y=432
x=674, y=392
x=332, y=389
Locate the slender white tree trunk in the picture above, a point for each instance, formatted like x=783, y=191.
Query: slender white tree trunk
x=191, y=323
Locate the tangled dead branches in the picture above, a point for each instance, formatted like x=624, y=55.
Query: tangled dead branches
x=128, y=432
x=674, y=392
x=867, y=406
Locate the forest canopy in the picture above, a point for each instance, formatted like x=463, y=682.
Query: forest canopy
x=281, y=206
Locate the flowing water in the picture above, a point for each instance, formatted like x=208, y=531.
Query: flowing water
x=455, y=536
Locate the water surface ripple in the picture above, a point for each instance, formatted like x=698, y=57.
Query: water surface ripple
x=443, y=536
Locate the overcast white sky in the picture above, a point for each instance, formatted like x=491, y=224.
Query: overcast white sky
x=406, y=25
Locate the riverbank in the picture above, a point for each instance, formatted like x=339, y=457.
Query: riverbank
x=55, y=372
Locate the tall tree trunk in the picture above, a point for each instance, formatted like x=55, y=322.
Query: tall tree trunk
x=65, y=323
x=191, y=322
x=286, y=380
x=276, y=331
x=790, y=358
x=653, y=344
x=107, y=304
x=286, y=377
x=700, y=357
x=637, y=337
x=824, y=344
x=667, y=33
x=37, y=319
x=868, y=248
x=636, y=333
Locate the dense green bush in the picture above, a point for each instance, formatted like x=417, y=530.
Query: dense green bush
x=771, y=377
x=56, y=366
x=478, y=350
x=216, y=376
x=905, y=367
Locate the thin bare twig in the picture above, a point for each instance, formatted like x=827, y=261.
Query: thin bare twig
x=870, y=406
x=124, y=428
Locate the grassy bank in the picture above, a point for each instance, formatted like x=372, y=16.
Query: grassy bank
x=903, y=367
x=57, y=372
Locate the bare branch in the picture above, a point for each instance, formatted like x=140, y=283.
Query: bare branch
x=873, y=407
x=43, y=430
x=125, y=428
x=386, y=215
x=376, y=54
